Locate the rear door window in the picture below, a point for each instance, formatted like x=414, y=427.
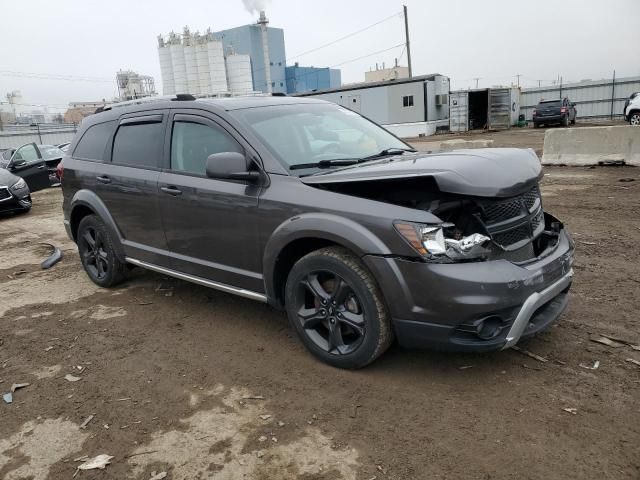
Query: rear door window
x=192, y=143
x=138, y=144
x=94, y=142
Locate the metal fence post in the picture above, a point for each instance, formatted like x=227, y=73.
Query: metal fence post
x=613, y=91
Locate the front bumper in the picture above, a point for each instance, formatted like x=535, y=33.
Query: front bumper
x=17, y=200
x=438, y=306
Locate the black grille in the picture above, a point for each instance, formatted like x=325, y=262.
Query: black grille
x=4, y=194
x=512, y=236
x=499, y=211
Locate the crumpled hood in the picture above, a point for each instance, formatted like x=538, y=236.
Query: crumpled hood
x=7, y=178
x=487, y=172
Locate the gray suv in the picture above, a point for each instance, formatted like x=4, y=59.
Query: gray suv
x=320, y=212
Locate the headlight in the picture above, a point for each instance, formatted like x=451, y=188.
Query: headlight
x=431, y=242
x=19, y=185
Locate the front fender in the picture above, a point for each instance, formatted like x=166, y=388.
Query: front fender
x=88, y=199
x=316, y=225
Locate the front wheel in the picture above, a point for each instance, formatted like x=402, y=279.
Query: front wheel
x=634, y=119
x=337, y=308
x=97, y=253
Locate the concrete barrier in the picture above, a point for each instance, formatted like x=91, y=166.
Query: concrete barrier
x=455, y=144
x=592, y=146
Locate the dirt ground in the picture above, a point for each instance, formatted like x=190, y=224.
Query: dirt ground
x=202, y=384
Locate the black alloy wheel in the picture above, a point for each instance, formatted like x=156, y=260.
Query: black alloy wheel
x=94, y=256
x=98, y=254
x=330, y=313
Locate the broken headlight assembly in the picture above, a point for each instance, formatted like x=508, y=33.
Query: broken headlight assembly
x=20, y=184
x=442, y=243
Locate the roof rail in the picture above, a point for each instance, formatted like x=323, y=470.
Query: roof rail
x=180, y=97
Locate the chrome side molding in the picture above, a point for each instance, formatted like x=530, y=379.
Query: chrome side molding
x=200, y=281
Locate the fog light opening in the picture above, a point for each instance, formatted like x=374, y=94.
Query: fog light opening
x=489, y=327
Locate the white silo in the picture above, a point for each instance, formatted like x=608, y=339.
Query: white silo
x=217, y=69
x=166, y=68
x=193, y=81
x=177, y=61
x=239, y=73
x=202, y=63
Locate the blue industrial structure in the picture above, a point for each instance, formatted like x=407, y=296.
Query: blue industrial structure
x=247, y=40
x=306, y=79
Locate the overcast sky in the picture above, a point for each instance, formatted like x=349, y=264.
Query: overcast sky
x=490, y=39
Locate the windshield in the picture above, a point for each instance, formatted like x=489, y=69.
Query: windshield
x=311, y=133
x=50, y=152
x=551, y=103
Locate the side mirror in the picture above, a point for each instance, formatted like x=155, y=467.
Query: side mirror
x=230, y=166
x=18, y=163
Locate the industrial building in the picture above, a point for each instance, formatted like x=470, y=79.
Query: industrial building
x=408, y=107
x=484, y=108
x=383, y=74
x=305, y=79
x=132, y=85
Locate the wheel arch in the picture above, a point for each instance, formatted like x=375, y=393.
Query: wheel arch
x=86, y=202
x=304, y=234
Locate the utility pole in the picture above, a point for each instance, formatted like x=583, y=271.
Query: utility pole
x=406, y=34
x=539, y=83
x=613, y=91
x=518, y=75
x=476, y=79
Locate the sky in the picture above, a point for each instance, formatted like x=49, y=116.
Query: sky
x=83, y=43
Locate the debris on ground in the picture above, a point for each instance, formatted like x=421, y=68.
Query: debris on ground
x=572, y=411
x=71, y=378
x=54, y=258
x=262, y=438
x=253, y=397
x=86, y=421
x=634, y=361
x=621, y=340
x=464, y=367
x=627, y=179
x=100, y=461
x=265, y=417
x=595, y=366
x=281, y=424
x=606, y=341
x=49, y=348
x=158, y=476
x=354, y=411
x=17, y=386
x=529, y=354
x=7, y=397
x=584, y=242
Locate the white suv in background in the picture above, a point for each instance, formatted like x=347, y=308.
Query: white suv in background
x=632, y=109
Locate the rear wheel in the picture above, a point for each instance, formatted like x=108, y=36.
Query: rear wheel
x=565, y=121
x=97, y=253
x=634, y=118
x=337, y=309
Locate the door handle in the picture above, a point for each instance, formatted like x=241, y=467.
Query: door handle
x=41, y=167
x=103, y=179
x=171, y=191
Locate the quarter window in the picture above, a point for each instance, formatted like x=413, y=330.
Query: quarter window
x=192, y=143
x=407, y=101
x=94, y=141
x=138, y=145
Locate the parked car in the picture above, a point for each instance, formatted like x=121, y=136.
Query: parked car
x=632, y=109
x=318, y=211
x=64, y=146
x=35, y=156
x=549, y=112
x=14, y=193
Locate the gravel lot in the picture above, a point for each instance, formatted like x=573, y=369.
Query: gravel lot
x=201, y=384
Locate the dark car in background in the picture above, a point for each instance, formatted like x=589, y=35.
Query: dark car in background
x=550, y=112
x=316, y=210
x=35, y=163
x=14, y=193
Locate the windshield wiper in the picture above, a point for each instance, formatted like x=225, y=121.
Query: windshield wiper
x=325, y=163
x=386, y=152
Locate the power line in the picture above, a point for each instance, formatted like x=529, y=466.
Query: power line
x=48, y=76
x=345, y=37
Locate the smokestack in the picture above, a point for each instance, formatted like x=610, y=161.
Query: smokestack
x=263, y=22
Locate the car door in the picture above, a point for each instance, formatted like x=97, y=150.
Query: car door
x=210, y=224
x=26, y=163
x=127, y=183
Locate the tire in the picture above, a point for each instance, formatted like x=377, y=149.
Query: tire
x=97, y=253
x=536, y=125
x=565, y=121
x=353, y=327
x=634, y=119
